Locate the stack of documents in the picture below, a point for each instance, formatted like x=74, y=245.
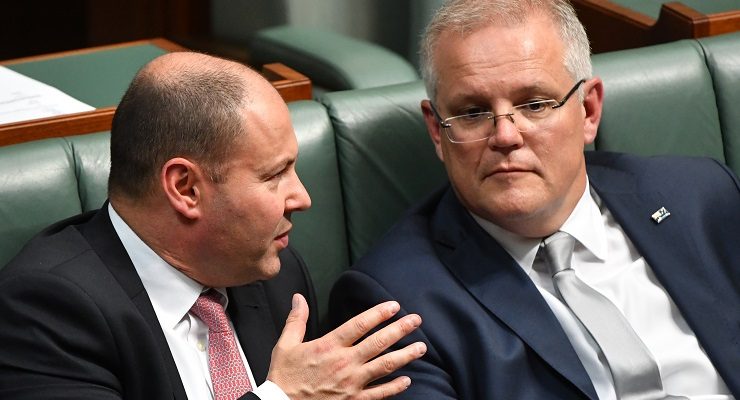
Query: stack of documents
x=23, y=98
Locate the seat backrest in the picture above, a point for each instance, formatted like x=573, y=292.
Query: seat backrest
x=48, y=180
x=92, y=164
x=319, y=233
x=658, y=100
x=38, y=186
x=333, y=61
x=723, y=59
x=386, y=159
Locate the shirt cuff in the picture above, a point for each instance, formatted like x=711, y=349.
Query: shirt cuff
x=270, y=391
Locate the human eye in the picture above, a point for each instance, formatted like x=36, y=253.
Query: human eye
x=473, y=116
x=275, y=175
x=473, y=113
x=536, y=109
x=278, y=175
x=535, y=106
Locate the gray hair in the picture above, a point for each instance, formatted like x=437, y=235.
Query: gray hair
x=465, y=16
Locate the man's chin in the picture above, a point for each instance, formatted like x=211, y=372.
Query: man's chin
x=269, y=268
x=256, y=272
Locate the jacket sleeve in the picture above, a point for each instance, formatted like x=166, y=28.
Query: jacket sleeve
x=354, y=293
x=56, y=343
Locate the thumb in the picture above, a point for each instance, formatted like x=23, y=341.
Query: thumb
x=295, y=324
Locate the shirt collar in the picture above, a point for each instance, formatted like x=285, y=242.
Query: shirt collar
x=523, y=250
x=585, y=224
x=171, y=292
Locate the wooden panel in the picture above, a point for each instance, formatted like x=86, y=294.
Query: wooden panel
x=611, y=26
x=726, y=22
x=41, y=26
x=63, y=125
x=678, y=21
x=46, y=26
x=290, y=84
x=119, y=21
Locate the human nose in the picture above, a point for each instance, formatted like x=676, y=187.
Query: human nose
x=298, y=199
x=505, y=132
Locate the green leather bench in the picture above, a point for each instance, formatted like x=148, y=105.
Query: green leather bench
x=332, y=61
x=676, y=98
x=47, y=180
x=365, y=155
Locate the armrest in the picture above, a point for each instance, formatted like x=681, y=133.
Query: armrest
x=331, y=60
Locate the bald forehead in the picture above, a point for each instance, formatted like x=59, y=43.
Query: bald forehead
x=178, y=62
x=182, y=67
x=211, y=79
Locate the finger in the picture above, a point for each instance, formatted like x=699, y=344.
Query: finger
x=295, y=324
x=386, y=337
x=387, y=389
x=392, y=361
x=351, y=331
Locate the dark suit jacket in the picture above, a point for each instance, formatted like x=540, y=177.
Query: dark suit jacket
x=76, y=322
x=489, y=332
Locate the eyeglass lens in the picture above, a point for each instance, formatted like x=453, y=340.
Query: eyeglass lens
x=530, y=117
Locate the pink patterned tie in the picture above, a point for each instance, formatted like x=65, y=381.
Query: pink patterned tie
x=228, y=375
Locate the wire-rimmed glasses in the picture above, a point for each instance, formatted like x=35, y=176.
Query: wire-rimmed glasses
x=528, y=117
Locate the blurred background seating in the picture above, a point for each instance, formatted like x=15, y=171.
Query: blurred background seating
x=241, y=29
x=624, y=24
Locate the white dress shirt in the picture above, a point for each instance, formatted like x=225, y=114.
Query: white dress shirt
x=172, y=294
x=605, y=259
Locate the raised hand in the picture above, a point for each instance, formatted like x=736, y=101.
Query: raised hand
x=333, y=366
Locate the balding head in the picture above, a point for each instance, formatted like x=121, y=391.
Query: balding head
x=179, y=105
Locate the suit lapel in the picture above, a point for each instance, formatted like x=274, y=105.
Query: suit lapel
x=699, y=289
x=501, y=286
x=103, y=239
x=248, y=307
x=250, y=313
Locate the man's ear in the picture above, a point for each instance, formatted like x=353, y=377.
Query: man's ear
x=182, y=182
x=592, y=105
x=433, y=127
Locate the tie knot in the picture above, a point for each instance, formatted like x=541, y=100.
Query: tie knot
x=209, y=309
x=558, y=251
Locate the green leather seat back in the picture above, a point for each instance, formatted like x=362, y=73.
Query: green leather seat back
x=319, y=233
x=386, y=159
x=665, y=104
x=332, y=61
x=723, y=58
x=92, y=164
x=38, y=186
x=48, y=180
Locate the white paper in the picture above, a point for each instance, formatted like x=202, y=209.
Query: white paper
x=23, y=98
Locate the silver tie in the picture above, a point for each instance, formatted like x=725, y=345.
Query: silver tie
x=636, y=375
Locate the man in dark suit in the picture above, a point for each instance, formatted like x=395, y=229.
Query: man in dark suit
x=128, y=302
x=652, y=255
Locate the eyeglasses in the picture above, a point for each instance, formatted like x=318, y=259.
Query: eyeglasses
x=528, y=117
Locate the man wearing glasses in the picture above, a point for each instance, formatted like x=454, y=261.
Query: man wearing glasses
x=548, y=274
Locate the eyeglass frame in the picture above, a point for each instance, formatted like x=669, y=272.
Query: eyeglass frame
x=510, y=116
